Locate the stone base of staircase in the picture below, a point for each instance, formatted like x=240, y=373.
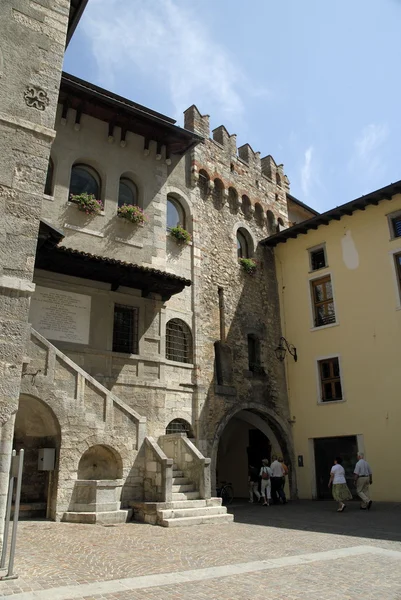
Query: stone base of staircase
x=111, y=517
x=183, y=512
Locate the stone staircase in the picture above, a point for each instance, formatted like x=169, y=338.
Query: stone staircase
x=187, y=508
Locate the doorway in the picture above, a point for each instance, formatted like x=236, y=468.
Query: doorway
x=326, y=449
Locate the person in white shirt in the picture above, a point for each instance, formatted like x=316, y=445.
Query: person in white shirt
x=338, y=483
x=363, y=479
x=277, y=481
x=265, y=487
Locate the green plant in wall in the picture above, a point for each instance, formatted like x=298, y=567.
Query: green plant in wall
x=181, y=235
x=132, y=213
x=248, y=264
x=87, y=203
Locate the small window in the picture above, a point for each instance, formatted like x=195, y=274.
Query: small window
x=323, y=302
x=179, y=426
x=125, y=330
x=254, y=353
x=317, y=258
x=330, y=380
x=178, y=341
x=397, y=258
x=127, y=192
x=395, y=225
x=49, y=178
x=280, y=224
x=175, y=213
x=84, y=179
x=242, y=245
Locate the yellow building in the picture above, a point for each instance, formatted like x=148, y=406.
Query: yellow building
x=339, y=280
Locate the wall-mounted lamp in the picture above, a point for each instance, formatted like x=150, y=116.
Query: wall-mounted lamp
x=282, y=348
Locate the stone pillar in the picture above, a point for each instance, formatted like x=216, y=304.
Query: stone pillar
x=32, y=43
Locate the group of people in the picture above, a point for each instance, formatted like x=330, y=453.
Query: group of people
x=362, y=480
x=271, y=479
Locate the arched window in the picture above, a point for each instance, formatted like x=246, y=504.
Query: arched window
x=278, y=178
x=246, y=205
x=175, y=213
x=178, y=341
x=49, y=178
x=280, y=224
x=84, y=179
x=253, y=353
x=127, y=192
x=179, y=426
x=271, y=222
x=203, y=183
x=242, y=245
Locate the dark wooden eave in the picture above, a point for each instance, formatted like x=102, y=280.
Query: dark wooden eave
x=335, y=214
x=77, y=7
x=108, y=270
x=302, y=204
x=117, y=111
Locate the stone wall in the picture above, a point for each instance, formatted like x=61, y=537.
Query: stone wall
x=32, y=40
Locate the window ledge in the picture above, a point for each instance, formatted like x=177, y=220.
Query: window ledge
x=322, y=403
x=101, y=214
x=324, y=326
x=48, y=197
x=310, y=272
x=176, y=363
x=183, y=245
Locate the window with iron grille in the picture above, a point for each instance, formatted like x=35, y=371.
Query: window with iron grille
x=254, y=363
x=323, y=302
x=125, y=329
x=317, y=258
x=395, y=225
x=179, y=426
x=330, y=380
x=178, y=341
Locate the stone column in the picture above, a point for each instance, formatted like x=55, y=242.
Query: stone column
x=32, y=43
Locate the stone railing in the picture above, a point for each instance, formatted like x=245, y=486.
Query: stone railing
x=188, y=459
x=158, y=473
x=50, y=367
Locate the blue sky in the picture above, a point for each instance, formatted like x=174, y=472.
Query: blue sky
x=314, y=83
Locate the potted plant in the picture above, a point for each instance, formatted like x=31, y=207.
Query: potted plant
x=87, y=203
x=181, y=235
x=132, y=213
x=248, y=264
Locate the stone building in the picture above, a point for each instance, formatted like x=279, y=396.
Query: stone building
x=146, y=366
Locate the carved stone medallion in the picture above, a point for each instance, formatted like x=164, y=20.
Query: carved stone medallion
x=36, y=97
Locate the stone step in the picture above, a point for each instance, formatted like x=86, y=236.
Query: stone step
x=187, y=487
x=102, y=518
x=185, y=496
x=180, y=513
x=178, y=474
x=181, y=480
x=179, y=504
x=203, y=520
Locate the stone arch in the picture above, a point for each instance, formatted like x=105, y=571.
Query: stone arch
x=203, y=183
x=37, y=427
x=179, y=425
x=100, y=462
x=259, y=214
x=218, y=194
x=233, y=202
x=271, y=222
x=135, y=182
x=177, y=195
x=246, y=205
x=269, y=423
x=245, y=229
x=280, y=224
x=96, y=167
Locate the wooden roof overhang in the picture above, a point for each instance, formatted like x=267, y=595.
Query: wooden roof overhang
x=335, y=214
x=77, y=7
x=66, y=261
x=117, y=111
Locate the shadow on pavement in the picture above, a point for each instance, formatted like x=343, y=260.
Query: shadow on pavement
x=382, y=522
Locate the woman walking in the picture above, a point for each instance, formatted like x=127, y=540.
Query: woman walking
x=266, y=485
x=338, y=483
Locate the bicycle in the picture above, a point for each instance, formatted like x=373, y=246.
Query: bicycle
x=225, y=492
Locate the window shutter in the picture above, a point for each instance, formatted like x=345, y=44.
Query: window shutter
x=397, y=226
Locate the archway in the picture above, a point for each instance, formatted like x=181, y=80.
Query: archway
x=37, y=428
x=243, y=438
x=100, y=462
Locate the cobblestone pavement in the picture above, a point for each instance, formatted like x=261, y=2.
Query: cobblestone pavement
x=281, y=552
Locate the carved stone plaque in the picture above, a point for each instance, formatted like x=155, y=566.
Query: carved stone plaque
x=59, y=315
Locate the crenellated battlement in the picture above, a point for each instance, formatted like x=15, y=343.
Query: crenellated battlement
x=220, y=167
x=229, y=153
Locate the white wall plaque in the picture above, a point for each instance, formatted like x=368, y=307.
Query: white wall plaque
x=59, y=315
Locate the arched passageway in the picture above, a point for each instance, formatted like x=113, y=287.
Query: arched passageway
x=37, y=428
x=245, y=439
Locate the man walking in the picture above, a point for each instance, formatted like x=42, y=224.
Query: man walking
x=363, y=478
x=253, y=483
x=277, y=481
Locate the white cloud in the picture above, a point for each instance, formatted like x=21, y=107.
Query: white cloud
x=306, y=171
x=166, y=40
x=366, y=158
